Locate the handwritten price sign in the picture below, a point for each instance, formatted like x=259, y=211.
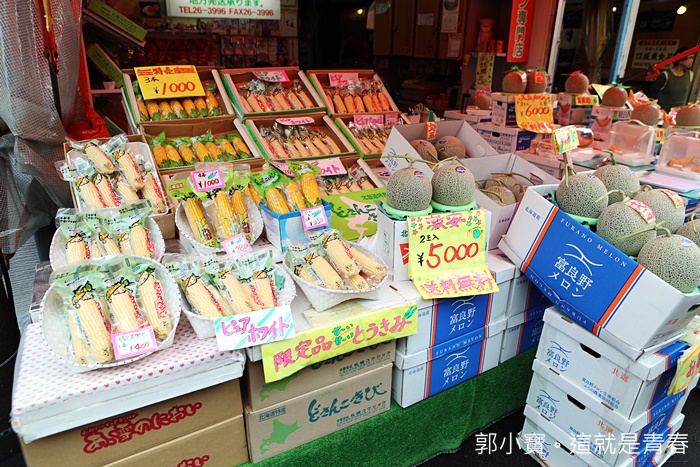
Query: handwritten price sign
x=447, y=255
x=391, y=119
x=237, y=246
x=564, y=139
x=362, y=120
x=296, y=121
x=342, y=79
x=330, y=166
x=688, y=368
x=272, y=76
x=163, y=82
x=133, y=343
x=314, y=218
x=533, y=112
x=207, y=180
x=586, y=100
x=256, y=328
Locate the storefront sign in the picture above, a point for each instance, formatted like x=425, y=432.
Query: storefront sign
x=564, y=139
x=447, y=255
x=520, y=30
x=165, y=82
x=283, y=358
x=330, y=166
x=484, y=70
x=256, y=328
x=533, y=112
x=246, y=9
x=648, y=52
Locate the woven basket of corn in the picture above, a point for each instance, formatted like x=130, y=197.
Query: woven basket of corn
x=155, y=292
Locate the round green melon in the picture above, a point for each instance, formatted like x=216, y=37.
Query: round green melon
x=509, y=181
x=409, y=189
x=674, y=259
x=425, y=150
x=453, y=185
x=690, y=231
x=501, y=195
x=662, y=203
x=621, y=219
x=584, y=196
x=618, y=177
x=449, y=146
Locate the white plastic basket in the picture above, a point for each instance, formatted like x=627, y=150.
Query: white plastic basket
x=254, y=218
x=204, y=327
x=57, y=254
x=56, y=335
x=322, y=298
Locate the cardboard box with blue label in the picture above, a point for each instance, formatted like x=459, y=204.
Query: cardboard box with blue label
x=521, y=334
x=594, y=283
x=503, y=109
x=423, y=374
x=282, y=227
x=507, y=140
x=526, y=299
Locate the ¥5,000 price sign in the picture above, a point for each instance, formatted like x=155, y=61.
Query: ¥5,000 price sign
x=165, y=82
x=447, y=255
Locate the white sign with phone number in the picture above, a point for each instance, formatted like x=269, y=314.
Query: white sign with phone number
x=224, y=9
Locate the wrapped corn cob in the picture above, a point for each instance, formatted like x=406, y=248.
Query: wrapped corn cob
x=129, y=168
x=104, y=186
x=228, y=227
x=240, y=210
x=237, y=295
x=306, y=177
x=183, y=148
x=340, y=254
x=141, y=245
x=153, y=110
x=253, y=194
x=228, y=149
x=305, y=272
x=174, y=159
x=295, y=197
x=89, y=193
x=91, y=321
x=294, y=100
x=122, y=305
x=257, y=273
x=108, y=243
x=203, y=298
x=166, y=112
x=328, y=276
x=152, y=192
x=198, y=223
x=80, y=348
x=275, y=201
x=214, y=151
x=153, y=304
x=127, y=194
x=102, y=163
x=77, y=249
x=160, y=156
x=357, y=282
x=339, y=103
x=265, y=288
x=369, y=266
x=299, y=90
x=240, y=146
x=201, y=151
x=200, y=104
x=143, y=110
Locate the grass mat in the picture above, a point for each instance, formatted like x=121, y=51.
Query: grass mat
x=405, y=437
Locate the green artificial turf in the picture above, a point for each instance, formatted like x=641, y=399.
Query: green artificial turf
x=439, y=424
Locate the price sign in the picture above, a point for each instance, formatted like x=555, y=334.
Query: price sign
x=431, y=130
x=296, y=121
x=687, y=369
x=165, y=82
x=207, y=180
x=586, y=100
x=447, y=255
x=600, y=88
x=564, y=139
x=133, y=343
x=314, y=218
x=533, y=112
x=342, y=79
x=660, y=134
x=391, y=119
x=284, y=168
x=256, y=328
x=237, y=246
x=362, y=120
x=272, y=76
x=330, y=166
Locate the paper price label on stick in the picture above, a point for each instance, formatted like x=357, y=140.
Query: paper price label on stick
x=272, y=76
x=256, y=328
x=133, y=343
x=207, y=180
x=314, y=218
x=586, y=100
x=165, y=82
x=533, y=112
x=237, y=246
x=447, y=255
x=564, y=139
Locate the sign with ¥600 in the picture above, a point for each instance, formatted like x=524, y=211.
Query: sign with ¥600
x=565, y=139
x=533, y=112
x=166, y=82
x=133, y=343
x=207, y=180
x=237, y=246
x=314, y=218
x=256, y=328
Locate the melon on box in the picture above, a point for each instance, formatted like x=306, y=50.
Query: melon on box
x=595, y=284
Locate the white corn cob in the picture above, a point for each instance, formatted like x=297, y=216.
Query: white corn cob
x=123, y=308
x=328, y=276
x=305, y=273
x=110, y=246
x=358, y=282
x=151, y=191
x=92, y=322
x=236, y=292
x=95, y=250
x=340, y=255
x=77, y=249
x=153, y=305
x=125, y=191
x=129, y=168
x=106, y=191
x=264, y=287
x=76, y=337
x=103, y=164
x=202, y=298
x=140, y=243
x=124, y=243
x=89, y=193
x=371, y=267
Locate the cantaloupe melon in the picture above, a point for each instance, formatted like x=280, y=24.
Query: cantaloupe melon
x=409, y=189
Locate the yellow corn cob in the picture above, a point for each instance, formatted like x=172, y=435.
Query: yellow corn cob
x=212, y=101
x=305, y=99
x=151, y=191
x=188, y=157
x=367, y=100
x=309, y=187
x=143, y=110
x=140, y=243
x=99, y=159
x=200, y=104
x=110, y=246
x=252, y=194
x=76, y=249
x=106, y=191
x=275, y=201
x=160, y=155
x=339, y=105
x=92, y=322
x=173, y=156
x=95, y=250
x=123, y=308
x=129, y=168
x=178, y=109
x=241, y=147
x=153, y=305
x=237, y=293
x=125, y=191
x=166, y=112
x=369, y=266
x=386, y=105
x=198, y=223
x=241, y=210
x=375, y=102
x=124, y=243
x=359, y=105
x=89, y=193
x=228, y=148
x=328, y=276
x=357, y=282
x=79, y=345
x=264, y=287
x=306, y=274
x=226, y=219
x=202, y=298
x=294, y=100
x=213, y=150
x=340, y=255
x=296, y=198
x=153, y=110
x=201, y=151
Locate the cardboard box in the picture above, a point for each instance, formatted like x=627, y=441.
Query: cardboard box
x=470, y=116
x=441, y=320
x=526, y=299
x=575, y=411
x=551, y=165
x=612, y=296
x=549, y=445
x=259, y=395
x=506, y=140
x=482, y=168
x=281, y=227
x=221, y=444
x=520, y=337
x=428, y=372
x=130, y=433
x=629, y=387
x=233, y=78
x=310, y=416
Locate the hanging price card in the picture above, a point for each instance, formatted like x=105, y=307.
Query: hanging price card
x=330, y=166
x=447, y=255
x=133, y=343
x=314, y=218
x=391, y=119
x=431, y=130
x=256, y=328
x=586, y=100
x=342, y=79
x=237, y=246
x=564, y=139
x=533, y=112
x=165, y=82
x=207, y=180
x=272, y=76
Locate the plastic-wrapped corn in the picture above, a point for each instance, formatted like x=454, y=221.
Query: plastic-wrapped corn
x=358, y=282
x=202, y=298
x=80, y=348
x=102, y=163
x=328, y=276
x=91, y=321
x=340, y=255
x=129, y=168
x=151, y=191
x=369, y=266
x=104, y=186
x=127, y=193
x=89, y=193
x=198, y=223
x=77, y=249
x=154, y=308
x=237, y=293
x=141, y=245
x=123, y=308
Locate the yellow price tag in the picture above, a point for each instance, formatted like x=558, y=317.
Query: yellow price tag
x=447, y=255
x=600, y=88
x=564, y=139
x=688, y=368
x=586, y=100
x=533, y=112
x=166, y=82
x=660, y=134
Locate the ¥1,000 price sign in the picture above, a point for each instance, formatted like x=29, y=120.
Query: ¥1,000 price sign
x=165, y=82
x=447, y=255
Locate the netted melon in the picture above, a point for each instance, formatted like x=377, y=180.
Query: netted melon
x=648, y=114
x=425, y=150
x=690, y=231
x=576, y=83
x=515, y=81
x=506, y=180
x=619, y=221
x=674, y=259
x=615, y=96
x=688, y=116
x=409, y=189
x=584, y=195
x=536, y=82
x=482, y=100
x=449, y=146
x=667, y=206
x=618, y=177
x=501, y=195
x=453, y=185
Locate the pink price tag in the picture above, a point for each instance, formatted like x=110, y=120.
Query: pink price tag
x=237, y=246
x=342, y=79
x=132, y=343
x=296, y=121
x=331, y=166
x=362, y=120
x=272, y=76
x=284, y=168
x=207, y=180
x=391, y=119
x=314, y=218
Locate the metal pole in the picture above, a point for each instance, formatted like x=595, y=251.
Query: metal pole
x=624, y=39
x=556, y=38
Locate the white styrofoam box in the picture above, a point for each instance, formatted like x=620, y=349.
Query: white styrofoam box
x=521, y=336
x=601, y=288
x=630, y=387
x=441, y=320
x=482, y=168
x=419, y=376
x=552, y=446
x=470, y=116
x=578, y=412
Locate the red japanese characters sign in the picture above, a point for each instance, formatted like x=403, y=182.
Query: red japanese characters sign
x=520, y=29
